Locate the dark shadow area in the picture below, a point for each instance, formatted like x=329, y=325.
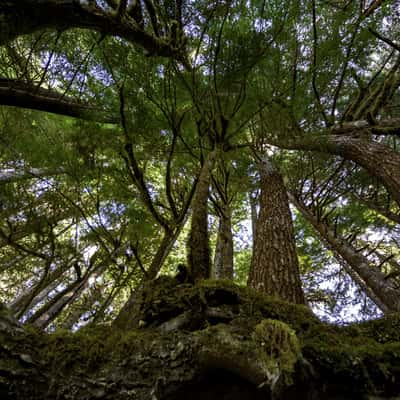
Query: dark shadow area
x=219, y=385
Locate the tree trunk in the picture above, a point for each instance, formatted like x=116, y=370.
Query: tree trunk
x=223, y=258
x=34, y=295
x=88, y=299
x=46, y=315
x=275, y=268
x=254, y=214
x=29, y=299
x=126, y=317
x=379, y=160
x=254, y=217
x=362, y=284
x=371, y=275
x=105, y=303
x=202, y=342
x=199, y=248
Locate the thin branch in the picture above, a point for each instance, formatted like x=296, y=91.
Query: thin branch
x=372, y=8
x=49, y=61
x=135, y=172
x=385, y=39
x=314, y=63
x=168, y=181
x=344, y=69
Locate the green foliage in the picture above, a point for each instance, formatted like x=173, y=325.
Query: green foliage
x=262, y=74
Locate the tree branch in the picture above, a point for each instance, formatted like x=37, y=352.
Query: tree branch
x=27, y=95
x=24, y=17
x=385, y=39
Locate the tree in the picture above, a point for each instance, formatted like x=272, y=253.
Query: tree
x=222, y=201
x=130, y=129
x=274, y=269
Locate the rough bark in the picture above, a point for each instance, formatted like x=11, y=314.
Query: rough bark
x=379, y=160
x=223, y=257
x=381, y=287
x=253, y=200
x=202, y=342
x=275, y=267
x=199, y=248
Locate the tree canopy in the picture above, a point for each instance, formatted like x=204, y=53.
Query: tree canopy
x=192, y=191
x=135, y=133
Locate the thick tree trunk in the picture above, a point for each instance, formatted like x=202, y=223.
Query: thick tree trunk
x=254, y=217
x=198, y=244
x=275, y=268
x=202, y=342
x=223, y=258
x=379, y=160
x=381, y=287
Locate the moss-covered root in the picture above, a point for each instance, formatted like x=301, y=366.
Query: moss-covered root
x=266, y=357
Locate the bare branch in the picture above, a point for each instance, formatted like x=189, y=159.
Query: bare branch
x=385, y=39
x=26, y=95
x=372, y=8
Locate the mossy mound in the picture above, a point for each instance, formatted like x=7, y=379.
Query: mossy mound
x=358, y=360
x=182, y=335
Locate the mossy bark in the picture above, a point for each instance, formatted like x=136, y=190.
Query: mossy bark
x=211, y=339
x=223, y=257
x=198, y=244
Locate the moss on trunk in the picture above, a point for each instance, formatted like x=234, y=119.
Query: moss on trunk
x=215, y=336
